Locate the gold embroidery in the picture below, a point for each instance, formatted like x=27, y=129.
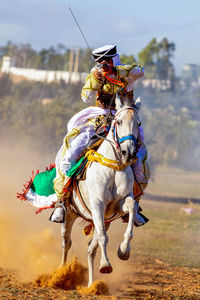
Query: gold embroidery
x=74, y=132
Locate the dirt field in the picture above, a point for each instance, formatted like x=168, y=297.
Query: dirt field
x=164, y=262
x=150, y=279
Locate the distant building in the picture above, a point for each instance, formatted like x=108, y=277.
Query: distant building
x=161, y=85
x=41, y=75
x=191, y=72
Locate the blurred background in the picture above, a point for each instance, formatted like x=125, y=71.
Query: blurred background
x=43, y=64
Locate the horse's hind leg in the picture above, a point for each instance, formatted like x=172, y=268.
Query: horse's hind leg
x=66, y=229
x=124, y=247
x=92, y=249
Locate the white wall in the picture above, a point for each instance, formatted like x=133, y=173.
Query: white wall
x=42, y=75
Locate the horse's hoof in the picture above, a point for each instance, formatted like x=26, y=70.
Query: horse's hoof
x=106, y=269
x=123, y=255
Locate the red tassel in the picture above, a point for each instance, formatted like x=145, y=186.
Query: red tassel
x=27, y=186
x=50, y=167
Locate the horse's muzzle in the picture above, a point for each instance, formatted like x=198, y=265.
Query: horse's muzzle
x=129, y=155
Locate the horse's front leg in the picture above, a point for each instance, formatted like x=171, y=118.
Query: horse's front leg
x=129, y=206
x=66, y=229
x=98, y=210
x=92, y=248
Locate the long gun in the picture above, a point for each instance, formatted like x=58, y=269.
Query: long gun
x=79, y=28
x=82, y=32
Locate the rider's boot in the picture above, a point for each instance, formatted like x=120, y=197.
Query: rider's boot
x=139, y=219
x=58, y=214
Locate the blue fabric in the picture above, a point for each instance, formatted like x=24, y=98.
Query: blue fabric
x=128, y=137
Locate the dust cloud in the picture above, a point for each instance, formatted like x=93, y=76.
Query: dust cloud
x=67, y=277
x=29, y=243
x=72, y=276
x=99, y=287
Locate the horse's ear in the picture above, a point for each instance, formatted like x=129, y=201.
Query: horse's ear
x=118, y=102
x=138, y=103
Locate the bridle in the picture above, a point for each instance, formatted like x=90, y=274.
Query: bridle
x=118, y=141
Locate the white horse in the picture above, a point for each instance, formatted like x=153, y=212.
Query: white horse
x=107, y=192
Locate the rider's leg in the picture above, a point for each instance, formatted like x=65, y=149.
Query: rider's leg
x=64, y=159
x=141, y=173
x=62, y=166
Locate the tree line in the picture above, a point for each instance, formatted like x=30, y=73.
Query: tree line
x=156, y=57
x=171, y=120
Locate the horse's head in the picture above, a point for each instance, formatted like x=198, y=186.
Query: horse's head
x=126, y=128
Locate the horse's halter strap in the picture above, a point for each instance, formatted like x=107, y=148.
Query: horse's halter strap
x=128, y=137
x=118, y=140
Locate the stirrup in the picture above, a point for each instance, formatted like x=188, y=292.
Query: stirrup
x=58, y=214
x=143, y=220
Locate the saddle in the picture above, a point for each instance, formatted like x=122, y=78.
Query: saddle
x=94, y=143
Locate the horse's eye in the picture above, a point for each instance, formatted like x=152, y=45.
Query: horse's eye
x=119, y=122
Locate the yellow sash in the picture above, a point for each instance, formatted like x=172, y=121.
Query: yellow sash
x=92, y=155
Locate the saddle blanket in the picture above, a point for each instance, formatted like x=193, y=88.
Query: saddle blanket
x=39, y=190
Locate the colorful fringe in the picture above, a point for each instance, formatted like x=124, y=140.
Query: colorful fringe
x=27, y=186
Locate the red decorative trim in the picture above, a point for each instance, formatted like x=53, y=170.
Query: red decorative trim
x=50, y=167
x=68, y=186
x=27, y=186
x=118, y=82
x=45, y=207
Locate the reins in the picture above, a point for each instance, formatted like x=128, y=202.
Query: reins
x=118, y=140
x=117, y=155
x=115, y=145
x=110, y=115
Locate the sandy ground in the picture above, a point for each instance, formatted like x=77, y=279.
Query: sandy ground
x=149, y=279
x=30, y=246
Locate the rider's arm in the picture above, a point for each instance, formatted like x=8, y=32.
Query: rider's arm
x=134, y=70
x=92, y=85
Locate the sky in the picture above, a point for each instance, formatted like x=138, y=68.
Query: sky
x=129, y=24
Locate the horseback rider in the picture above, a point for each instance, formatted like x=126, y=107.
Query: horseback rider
x=105, y=79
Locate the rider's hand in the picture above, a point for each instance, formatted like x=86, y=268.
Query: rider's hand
x=107, y=68
x=104, y=68
x=99, y=75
